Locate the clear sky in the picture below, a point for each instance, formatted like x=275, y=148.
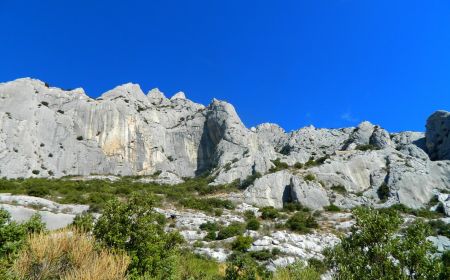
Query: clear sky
x=330, y=63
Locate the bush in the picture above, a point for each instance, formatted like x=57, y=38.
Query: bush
x=206, y=204
x=84, y=222
x=195, y=267
x=79, y=138
x=263, y=255
x=339, y=189
x=279, y=165
x=383, y=192
x=13, y=239
x=249, y=215
x=68, y=255
x=375, y=236
x=38, y=191
x=332, y=208
x=422, y=212
x=269, y=213
x=366, y=147
x=439, y=227
x=135, y=228
x=301, y=222
x=294, y=206
x=310, y=177
x=253, y=224
x=249, y=180
x=232, y=230
x=242, y=243
x=297, y=270
x=241, y=267
x=210, y=226
x=312, y=162
x=298, y=165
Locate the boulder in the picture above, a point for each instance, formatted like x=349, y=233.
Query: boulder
x=438, y=135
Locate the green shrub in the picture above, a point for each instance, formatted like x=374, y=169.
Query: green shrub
x=278, y=165
x=13, y=237
x=339, y=189
x=38, y=191
x=210, y=226
x=263, y=255
x=249, y=214
x=422, y=212
x=206, y=204
x=316, y=162
x=218, y=212
x=318, y=265
x=135, y=228
x=332, y=208
x=79, y=138
x=301, y=222
x=210, y=236
x=383, y=192
x=294, y=206
x=249, y=180
x=298, y=165
x=233, y=229
x=84, y=222
x=439, y=227
x=298, y=270
x=310, y=177
x=366, y=147
x=195, y=267
x=241, y=267
x=242, y=243
x=253, y=224
x=269, y=213
x=375, y=236
x=445, y=274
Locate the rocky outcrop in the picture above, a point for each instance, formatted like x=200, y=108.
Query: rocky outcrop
x=51, y=132
x=438, y=135
x=277, y=188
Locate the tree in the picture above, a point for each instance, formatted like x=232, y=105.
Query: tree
x=241, y=267
x=84, y=222
x=137, y=229
x=13, y=238
x=375, y=249
x=242, y=243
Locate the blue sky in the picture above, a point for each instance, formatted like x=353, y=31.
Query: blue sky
x=330, y=63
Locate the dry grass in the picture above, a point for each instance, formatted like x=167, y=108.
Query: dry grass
x=68, y=255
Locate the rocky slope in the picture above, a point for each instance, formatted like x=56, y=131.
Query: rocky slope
x=51, y=132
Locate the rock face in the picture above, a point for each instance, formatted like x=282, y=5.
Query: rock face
x=280, y=187
x=438, y=135
x=51, y=132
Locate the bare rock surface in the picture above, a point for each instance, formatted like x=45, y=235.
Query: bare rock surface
x=50, y=132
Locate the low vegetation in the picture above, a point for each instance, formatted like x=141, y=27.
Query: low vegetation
x=278, y=165
x=129, y=242
x=96, y=193
x=399, y=253
x=301, y=222
x=366, y=147
x=68, y=255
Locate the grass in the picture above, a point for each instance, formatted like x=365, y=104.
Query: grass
x=339, y=189
x=422, y=212
x=96, y=193
x=68, y=255
x=278, y=166
x=366, y=147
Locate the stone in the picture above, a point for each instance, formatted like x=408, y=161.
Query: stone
x=438, y=135
x=380, y=138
